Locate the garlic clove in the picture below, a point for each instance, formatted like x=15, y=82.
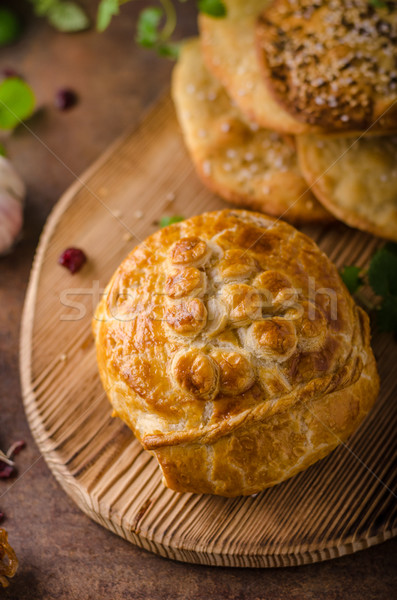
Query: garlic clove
x=12, y=195
x=10, y=180
x=11, y=220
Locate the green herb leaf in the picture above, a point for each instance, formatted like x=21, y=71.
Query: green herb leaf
x=2, y=151
x=351, y=278
x=382, y=277
x=382, y=273
x=106, y=10
x=391, y=247
x=42, y=7
x=169, y=50
x=378, y=3
x=386, y=315
x=213, y=8
x=147, y=27
x=165, y=221
x=68, y=17
x=10, y=26
x=17, y=102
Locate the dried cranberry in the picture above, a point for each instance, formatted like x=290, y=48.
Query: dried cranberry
x=73, y=259
x=65, y=99
x=6, y=471
x=10, y=72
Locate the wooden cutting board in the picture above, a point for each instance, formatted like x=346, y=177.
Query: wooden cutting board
x=342, y=504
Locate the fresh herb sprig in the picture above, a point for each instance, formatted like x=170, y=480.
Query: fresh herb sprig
x=64, y=15
x=17, y=102
x=156, y=24
x=165, y=221
x=381, y=275
x=10, y=26
x=378, y=3
x=68, y=16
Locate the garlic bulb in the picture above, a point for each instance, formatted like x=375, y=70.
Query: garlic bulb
x=12, y=196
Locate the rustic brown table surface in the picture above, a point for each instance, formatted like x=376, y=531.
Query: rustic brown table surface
x=62, y=553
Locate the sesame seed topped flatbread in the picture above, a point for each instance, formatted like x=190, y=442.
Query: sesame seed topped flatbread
x=355, y=179
x=241, y=162
x=332, y=63
x=229, y=51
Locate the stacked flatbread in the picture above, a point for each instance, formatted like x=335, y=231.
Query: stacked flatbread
x=290, y=107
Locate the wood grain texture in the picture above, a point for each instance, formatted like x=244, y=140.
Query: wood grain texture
x=342, y=504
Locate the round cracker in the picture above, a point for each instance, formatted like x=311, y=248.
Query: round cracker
x=355, y=179
x=332, y=64
x=242, y=163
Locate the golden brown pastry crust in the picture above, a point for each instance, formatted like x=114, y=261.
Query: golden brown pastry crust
x=228, y=47
x=8, y=559
x=288, y=375
x=242, y=163
x=332, y=64
x=356, y=180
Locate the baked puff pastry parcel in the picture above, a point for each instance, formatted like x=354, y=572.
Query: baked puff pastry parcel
x=232, y=349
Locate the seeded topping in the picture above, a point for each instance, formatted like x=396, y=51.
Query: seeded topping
x=236, y=159
x=332, y=63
